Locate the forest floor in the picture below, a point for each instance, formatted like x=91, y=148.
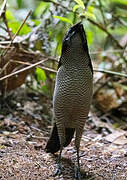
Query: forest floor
x=25, y=124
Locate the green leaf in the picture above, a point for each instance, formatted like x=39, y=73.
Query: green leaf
x=76, y=7
x=89, y=37
x=9, y=15
x=80, y=3
x=19, y=2
x=45, y=89
x=124, y=2
x=41, y=8
x=52, y=75
x=87, y=15
x=64, y=19
x=90, y=9
x=59, y=43
x=41, y=76
x=14, y=25
x=36, y=22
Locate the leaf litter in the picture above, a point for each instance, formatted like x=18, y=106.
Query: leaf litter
x=24, y=132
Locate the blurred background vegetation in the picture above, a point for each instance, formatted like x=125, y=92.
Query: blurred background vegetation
x=105, y=23
x=31, y=34
x=110, y=14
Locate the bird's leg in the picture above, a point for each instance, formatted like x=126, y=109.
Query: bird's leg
x=59, y=165
x=61, y=132
x=77, y=168
x=79, y=131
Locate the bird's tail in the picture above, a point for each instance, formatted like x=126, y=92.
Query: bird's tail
x=53, y=144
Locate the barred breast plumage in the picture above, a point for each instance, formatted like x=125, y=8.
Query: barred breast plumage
x=73, y=90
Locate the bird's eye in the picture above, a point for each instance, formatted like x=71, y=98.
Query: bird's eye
x=67, y=38
x=71, y=33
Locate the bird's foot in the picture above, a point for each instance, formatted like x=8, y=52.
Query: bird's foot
x=77, y=173
x=58, y=170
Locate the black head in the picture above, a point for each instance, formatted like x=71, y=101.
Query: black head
x=75, y=36
x=75, y=45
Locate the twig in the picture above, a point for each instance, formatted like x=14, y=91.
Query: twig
x=4, y=52
x=110, y=72
x=3, y=7
x=48, y=69
x=57, y=4
x=21, y=62
x=21, y=25
x=6, y=23
x=109, y=51
x=54, y=71
x=24, y=69
x=3, y=37
x=4, y=68
x=13, y=61
x=2, y=27
x=38, y=137
x=5, y=42
x=105, y=30
x=29, y=64
x=37, y=129
x=102, y=13
x=2, y=47
x=94, y=52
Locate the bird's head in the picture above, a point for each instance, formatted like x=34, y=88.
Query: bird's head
x=74, y=48
x=75, y=39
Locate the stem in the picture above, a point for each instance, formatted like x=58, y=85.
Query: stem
x=110, y=72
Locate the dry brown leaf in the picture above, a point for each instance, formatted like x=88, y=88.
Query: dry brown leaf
x=107, y=100
x=119, y=91
x=116, y=150
x=9, y=63
x=117, y=137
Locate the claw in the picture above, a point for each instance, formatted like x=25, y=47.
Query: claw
x=58, y=170
x=77, y=173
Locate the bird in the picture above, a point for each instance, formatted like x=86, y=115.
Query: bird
x=72, y=94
